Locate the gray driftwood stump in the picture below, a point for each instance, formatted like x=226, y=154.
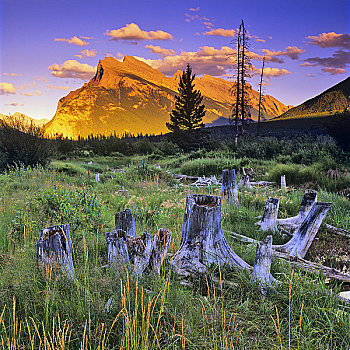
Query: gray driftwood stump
x=299, y=244
x=126, y=222
x=203, y=242
x=308, y=200
x=229, y=185
x=118, y=254
x=268, y=222
x=54, y=249
x=161, y=244
x=244, y=181
x=283, y=183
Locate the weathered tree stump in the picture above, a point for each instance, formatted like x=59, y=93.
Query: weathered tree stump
x=54, y=248
x=308, y=200
x=118, y=254
x=98, y=177
x=229, y=185
x=161, y=244
x=125, y=221
x=261, y=272
x=283, y=183
x=268, y=221
x=203, y=242
x=244, y=181
x=299, y=244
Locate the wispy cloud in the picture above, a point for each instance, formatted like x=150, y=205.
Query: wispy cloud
x=132, y=32
x=227, y=33
x=194, y=9
x=334, y=71
x=87, y=53
x=292, y=52
x=14, y=104
x=52, y=87
x=72, y=69
x=26, y=94
x=339, y=59
x=13, y=74
x=7, y=88
x=160, y=51
x=331, y=39
x=74, y=40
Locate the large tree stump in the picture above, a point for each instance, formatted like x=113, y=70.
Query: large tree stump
x=244, y=181
x=229, y=185
x=268, y=222
x=118, y=254
x=203, y=242
x=54, y=248
x=161, y=244
x=126, y=222
x=261, y=272
x=283, y=183
x=308, y=200
x=299, y=244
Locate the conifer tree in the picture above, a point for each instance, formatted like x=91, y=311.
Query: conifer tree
x=189, y=110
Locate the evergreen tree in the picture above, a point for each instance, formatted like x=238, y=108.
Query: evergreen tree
x=189, y=110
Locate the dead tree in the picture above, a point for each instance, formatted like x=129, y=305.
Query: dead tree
x=299, y=244
x=260, y=95
x=203, y=242
x=283, y=183
x=244, y=181
x=261, y=272
x=268, y=222
x=126, y=222
x=229, y=185
x=118, y=254
x=308, y=200
x=54, y=248
x=161, y=244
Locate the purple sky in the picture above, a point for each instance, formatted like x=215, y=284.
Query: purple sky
x=49, y=47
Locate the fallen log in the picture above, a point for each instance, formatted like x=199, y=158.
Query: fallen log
x=229, y=185
x=308, y=200
x=268, y=222
x=54, y=249
x=203, y=242
x=299, y=244
x=338, y=231
x=261, y=183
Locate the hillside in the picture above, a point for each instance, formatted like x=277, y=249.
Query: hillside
x=24, y=118
x=131, y=96
x=335, y=99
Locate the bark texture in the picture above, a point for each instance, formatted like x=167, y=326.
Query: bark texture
x=268, y=221
x=244, y=181
x=283, y=183
x=118, y=254
x=161, y=244
x=203, y=242
x=229, y=185
x=126, y=222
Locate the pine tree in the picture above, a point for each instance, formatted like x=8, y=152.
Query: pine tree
x=189, y=110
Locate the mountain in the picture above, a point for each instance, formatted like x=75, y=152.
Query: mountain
x=24, y=118
x=131, y=96
x=335, y=99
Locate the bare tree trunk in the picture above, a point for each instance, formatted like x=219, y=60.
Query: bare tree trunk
x=308, y=200
x=126, y=222
x=203, y=242
x=268, y=221
x=229, y=185
x=261, y=272
x=283, y=183
x=260, y=94
x=299, y=244
x=161, y=244
x=243, y=78
x=54, y=248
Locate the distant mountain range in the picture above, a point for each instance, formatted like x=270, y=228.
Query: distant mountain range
x=131, y=96
x=24, y=118
x=335, y=99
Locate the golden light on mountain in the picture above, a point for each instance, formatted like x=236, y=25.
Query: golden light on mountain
x=133, y=96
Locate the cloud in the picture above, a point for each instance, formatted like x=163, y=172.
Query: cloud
x=13, y=74
x=334, y=71
x=87, y=37
x=331, y=40
x=74, y=40
x=52, y=87
x=160, y=51
x=87, y=53
x=38, y=92
x=292, y=52
x=26, y=94
x=194, y=9
x=41, y=79
x=7, y=88
x=14, y=104
x=132, y=32
x=260, y=40
x=271, y=72
x=227, y=33
x=339, y=59
x=72, y=69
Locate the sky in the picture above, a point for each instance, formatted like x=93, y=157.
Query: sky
x=50, y=47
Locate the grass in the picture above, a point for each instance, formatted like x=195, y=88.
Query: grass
x=39, y=311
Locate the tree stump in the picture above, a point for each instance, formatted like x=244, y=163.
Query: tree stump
x=283, y=183
x=54, y=248
x=98, y=177
x=308, y=200
x=229, y=185
x=299, y=244
x=118, y=254
x=203, y=242
x=261, y=272
x=268, y=221
x=126, y=222
x=244, y=181
x=161, y=244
